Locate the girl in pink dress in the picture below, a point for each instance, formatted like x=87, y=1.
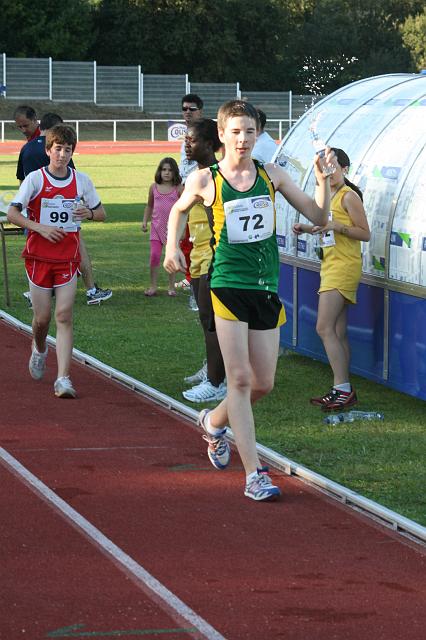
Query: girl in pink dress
x=163, y=193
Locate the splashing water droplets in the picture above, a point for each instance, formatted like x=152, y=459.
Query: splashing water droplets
x=317, y=75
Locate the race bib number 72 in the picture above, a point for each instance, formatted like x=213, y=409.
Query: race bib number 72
x=249, y=219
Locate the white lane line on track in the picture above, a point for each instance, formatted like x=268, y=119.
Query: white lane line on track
x=170, y=603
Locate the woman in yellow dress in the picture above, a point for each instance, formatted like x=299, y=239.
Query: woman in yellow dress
x=341, y=262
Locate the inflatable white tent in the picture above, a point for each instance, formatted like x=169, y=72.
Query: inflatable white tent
x=381, y=124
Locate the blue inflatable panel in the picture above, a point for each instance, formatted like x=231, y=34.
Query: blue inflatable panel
x=366, y=333
x=308, y=341
x=365, y=323
x=285, y=292
x=407, y=344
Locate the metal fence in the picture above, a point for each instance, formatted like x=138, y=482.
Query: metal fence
x=117, y=130
x=157, y=95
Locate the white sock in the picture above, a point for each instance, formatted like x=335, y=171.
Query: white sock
x=90, y=291
x=345, y=386
x=212, y=430
x=251, y=476
x=41, y=353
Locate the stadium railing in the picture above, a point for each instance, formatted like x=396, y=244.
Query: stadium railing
x=131, y=129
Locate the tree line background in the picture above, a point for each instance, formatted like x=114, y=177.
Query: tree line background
x=270, y=45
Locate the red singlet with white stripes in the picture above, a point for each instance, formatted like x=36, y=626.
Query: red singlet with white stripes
x=41, y=209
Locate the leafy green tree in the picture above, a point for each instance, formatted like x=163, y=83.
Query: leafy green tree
x=363, y=29
x=263, y=44
x=414, y=38
x=221, y=41
x=46, y=29
x=157, y=35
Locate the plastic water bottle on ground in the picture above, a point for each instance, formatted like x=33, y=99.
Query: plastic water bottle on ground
x=351, y=416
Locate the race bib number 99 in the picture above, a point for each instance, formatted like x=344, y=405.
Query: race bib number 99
x=57, y=212
x=249, y=219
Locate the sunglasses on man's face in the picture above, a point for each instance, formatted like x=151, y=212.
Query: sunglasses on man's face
x=189, y=108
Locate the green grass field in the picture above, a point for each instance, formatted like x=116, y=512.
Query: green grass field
x=158, y=341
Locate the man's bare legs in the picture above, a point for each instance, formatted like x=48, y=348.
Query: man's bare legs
x=42, y=311
x=250, y=362
x=86, y=266
x=94, y=294
x=65, y=296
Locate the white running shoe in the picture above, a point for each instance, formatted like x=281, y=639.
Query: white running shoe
x=192, y=304
x=197, y=377
x=261, y=487
x=37, y=363
x=63, y=388
x=219, y=451
x=206, y=392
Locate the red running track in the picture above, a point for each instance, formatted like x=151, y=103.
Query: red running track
x=304, y=568
x=11, y=147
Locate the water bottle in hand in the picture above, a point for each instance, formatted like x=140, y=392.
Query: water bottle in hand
x=351, y=416
x=319, y=146
x=78, y=202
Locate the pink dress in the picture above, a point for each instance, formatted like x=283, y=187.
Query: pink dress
x=163, y=203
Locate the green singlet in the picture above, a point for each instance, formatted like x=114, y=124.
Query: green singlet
x=244, y=230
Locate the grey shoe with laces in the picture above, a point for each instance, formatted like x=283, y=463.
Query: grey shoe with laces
x=100, y=295
x=218, y=449
x=63, y=388
x=261, y=488
x=37, y=363
x=198, y=376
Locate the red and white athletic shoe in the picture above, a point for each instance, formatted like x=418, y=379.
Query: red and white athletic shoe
x=184, y=285
x=340, y=400
x=320, y=401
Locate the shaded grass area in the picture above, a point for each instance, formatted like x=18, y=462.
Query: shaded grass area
x=158, y=340
x=82, y=111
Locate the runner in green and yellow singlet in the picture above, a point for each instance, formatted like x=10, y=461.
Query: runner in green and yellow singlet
x=244, y=278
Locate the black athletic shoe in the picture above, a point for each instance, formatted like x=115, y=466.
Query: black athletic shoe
x=99, y=296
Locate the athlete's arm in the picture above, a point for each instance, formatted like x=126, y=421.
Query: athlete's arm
x=352, y=204
x=299, y=228
x=196, y=190
x=28, y=190
x=53, y=234
x=359, y=230
x=91, y=207
x=98, y=213
x=147, y=214
x=316, y=210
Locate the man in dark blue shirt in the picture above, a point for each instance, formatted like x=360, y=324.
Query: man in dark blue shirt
x=26, y=121
x=33, y=154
